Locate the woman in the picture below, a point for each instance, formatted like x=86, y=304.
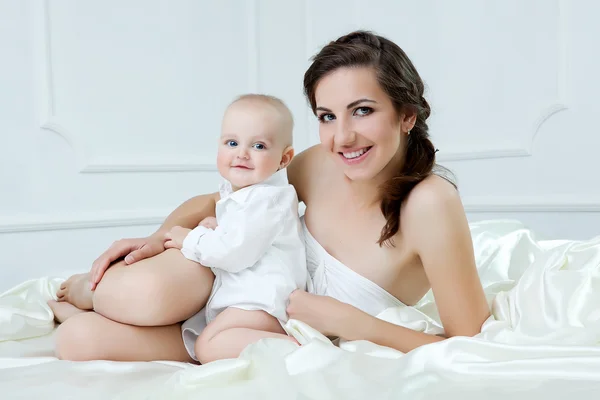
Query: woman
x=381, y=228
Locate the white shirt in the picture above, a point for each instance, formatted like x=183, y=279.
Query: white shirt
x=257, y=251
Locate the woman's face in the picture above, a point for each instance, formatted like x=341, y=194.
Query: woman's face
x=358, y=123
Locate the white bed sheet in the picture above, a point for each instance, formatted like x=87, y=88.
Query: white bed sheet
x=542, y=342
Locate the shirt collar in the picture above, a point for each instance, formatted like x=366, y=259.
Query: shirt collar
x=279, y=178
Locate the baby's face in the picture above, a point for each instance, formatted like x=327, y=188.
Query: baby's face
x=250, y=147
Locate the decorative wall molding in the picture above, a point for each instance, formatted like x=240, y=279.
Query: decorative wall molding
x=525, y=149
x=533, y=204
x=80, y=220
x=482, y=153
x=253, y=46
x=49, y=119
x=485, y=152
x=124, y=218
x=138, y=164
x=521, y=148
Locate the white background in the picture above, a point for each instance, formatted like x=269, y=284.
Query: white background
x=109, y=110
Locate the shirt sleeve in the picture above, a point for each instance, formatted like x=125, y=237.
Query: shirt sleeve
x=241, y=243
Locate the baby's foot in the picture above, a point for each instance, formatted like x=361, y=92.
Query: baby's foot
x=76, y=290
x=63, y=311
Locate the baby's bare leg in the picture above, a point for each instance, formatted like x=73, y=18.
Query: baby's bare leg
x=233, y=330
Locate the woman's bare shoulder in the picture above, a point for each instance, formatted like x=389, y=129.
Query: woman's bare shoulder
x=302, y=170
x=432, y=202
x=433, y=191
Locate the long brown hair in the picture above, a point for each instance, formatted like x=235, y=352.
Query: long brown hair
x=400, y=80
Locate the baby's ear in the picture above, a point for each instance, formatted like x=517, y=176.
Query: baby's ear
x=286, y=157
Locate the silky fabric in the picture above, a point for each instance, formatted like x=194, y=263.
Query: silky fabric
x=541, y=342
x=329, y=277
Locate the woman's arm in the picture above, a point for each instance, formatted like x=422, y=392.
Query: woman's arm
x=383, y=333
x=434, y=222
x=436, y=225
x=188, y=215
x=331, y=317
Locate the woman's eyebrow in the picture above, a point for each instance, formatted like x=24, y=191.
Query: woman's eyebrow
x=349, y=106
x=357, y=102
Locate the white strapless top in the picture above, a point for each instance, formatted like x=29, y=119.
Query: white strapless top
x=332, y=278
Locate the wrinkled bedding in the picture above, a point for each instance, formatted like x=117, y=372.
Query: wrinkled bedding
x=541, y=342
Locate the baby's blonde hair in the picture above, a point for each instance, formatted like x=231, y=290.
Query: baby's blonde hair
x=287, y=123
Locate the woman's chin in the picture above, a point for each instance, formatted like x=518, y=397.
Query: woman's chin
x=360, y=172
x=359, y=175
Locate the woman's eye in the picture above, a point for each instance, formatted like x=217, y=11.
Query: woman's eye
x=362, y=111
x=259, y=146
x=231, y=143
x=326, y=117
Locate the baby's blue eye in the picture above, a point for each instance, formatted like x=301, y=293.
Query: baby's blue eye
x=231, y=143
x=259, y=146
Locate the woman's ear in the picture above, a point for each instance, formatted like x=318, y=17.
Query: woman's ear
x=286, y=157
x=408, y=119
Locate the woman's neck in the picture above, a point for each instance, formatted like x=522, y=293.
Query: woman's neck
x=362, y=194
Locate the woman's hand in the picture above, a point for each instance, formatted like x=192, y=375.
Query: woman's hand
x=329, y=316
x=175, y=237
x=132, y=249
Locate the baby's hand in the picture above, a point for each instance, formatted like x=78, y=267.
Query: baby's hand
x=175, y=237
x=209, y=222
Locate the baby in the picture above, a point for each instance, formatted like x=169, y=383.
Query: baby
x=255, y=245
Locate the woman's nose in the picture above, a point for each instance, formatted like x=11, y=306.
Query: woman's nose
x=345, y=134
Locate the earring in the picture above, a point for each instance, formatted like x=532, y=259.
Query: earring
x=408, y=133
